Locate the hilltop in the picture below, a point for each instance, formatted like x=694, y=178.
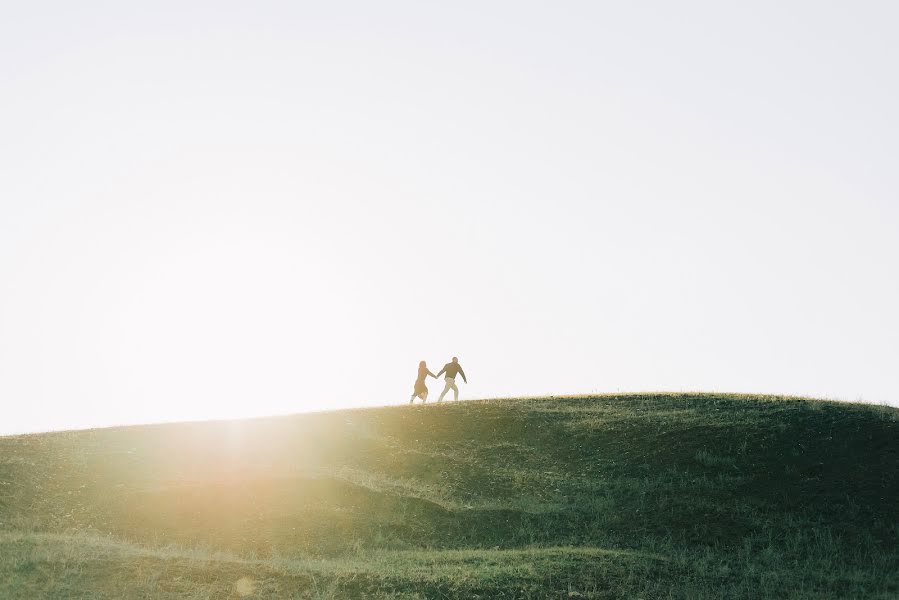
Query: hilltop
x=649, y=496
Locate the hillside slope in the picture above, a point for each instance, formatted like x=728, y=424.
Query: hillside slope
x=652, y=496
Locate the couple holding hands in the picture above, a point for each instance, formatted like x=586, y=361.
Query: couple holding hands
x=451, y=369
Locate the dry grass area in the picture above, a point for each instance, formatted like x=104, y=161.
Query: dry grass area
x=631, y=496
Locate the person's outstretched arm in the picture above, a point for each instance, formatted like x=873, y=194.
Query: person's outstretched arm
x=462, y=373
x=431, y=374
x=437, y=376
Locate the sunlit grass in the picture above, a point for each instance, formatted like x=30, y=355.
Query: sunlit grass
x=654, y=496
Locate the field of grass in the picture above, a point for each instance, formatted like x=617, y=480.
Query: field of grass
x=630, y=496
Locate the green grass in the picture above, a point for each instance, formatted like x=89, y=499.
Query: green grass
x=630, y=496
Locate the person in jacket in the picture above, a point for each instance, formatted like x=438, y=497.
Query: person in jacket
x=451, y=369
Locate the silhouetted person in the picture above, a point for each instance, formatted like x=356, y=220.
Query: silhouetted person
x=421, y=390
x=451, y=369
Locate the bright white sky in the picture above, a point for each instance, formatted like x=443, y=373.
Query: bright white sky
x=216, y=209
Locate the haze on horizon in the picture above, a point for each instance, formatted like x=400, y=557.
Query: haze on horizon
x=222, y=209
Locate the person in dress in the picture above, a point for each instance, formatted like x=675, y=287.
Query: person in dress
x=421, y=390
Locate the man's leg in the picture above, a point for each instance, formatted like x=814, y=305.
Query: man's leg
x=455, y=392
x=449, y=386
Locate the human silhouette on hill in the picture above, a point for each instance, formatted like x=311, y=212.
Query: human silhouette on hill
x=451, y=369
x=421, y=390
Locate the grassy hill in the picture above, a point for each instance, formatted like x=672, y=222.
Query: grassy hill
x=633, y=496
